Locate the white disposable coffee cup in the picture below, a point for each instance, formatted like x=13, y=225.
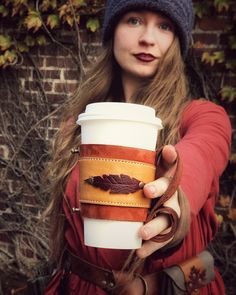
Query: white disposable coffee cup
x=121, y=124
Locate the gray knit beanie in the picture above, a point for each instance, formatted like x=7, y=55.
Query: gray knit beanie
x=179, y=11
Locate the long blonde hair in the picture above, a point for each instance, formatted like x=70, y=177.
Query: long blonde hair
x=167, y=92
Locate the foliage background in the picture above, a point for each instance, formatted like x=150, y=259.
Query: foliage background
x=28, y=113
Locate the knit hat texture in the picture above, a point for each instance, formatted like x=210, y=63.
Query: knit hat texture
x=179, y=11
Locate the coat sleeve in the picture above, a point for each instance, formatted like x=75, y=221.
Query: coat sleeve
x=204, y=148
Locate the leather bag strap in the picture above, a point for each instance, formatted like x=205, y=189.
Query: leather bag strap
x=90, y=272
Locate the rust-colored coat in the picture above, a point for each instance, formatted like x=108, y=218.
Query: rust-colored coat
x=204, y=149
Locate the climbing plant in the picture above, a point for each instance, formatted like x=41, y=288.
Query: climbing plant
x=30, y=24
x=34, y=20
x=226, y=56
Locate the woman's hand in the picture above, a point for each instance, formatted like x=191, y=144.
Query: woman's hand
x=155, y=189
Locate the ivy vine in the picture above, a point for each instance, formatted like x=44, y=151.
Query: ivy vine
x=34, y=19
x=227, y=56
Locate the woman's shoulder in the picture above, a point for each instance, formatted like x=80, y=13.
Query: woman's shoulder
x=202, y=113
x=202, y=104
x=203, y=109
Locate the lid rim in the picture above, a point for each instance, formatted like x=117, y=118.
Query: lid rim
x=142, y=114
x=156, y=122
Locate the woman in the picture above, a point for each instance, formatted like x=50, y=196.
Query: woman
x=145, y=45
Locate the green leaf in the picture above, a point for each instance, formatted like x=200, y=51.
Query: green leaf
x=4, y=10
x=5, y=42
x=19, y=7
x=215, y=57
x=63, y=10
x=53, y=21
x=221, y=5
x=10, y=55
x=70, y=20
x=19, y=2
x=219, y=56
x=41, y=40
x=29, y=41
x=232, y=41
x=201, y=8
x=206, y=58
x=231, y=64
x=93, y=24
x=2, y=60
x=228, y=93
x=22, y=47
x=47, y=4
x=78, y=3
x=33, y=21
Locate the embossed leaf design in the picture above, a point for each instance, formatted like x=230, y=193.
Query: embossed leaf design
x=117, y=184
x=196, y=279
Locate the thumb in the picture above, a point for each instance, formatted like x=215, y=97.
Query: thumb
x=166, y=162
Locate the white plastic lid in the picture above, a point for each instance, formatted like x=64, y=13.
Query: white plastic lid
x=120, y=111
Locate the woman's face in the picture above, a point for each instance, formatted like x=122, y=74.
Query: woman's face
x=141, y=38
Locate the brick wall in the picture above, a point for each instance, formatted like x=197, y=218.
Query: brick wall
x=32, y=91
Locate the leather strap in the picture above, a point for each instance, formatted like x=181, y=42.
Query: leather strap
x=144, y=157
x=174, y=220
x=113, y=212
x=114, y=182
x=92, y=273
x=144, y=282
x=174, y=183
x=102, y=277
x=158, y=208
x=194, y=269
x=132, y=154
x=118, y=152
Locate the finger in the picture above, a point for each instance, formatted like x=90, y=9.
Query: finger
x=166, y=164
x=169, y=155
x=154, y=227
x=173, y=203
x=150, y=247
x=156, y=188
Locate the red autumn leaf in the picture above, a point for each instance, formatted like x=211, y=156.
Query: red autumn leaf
x=117, y=184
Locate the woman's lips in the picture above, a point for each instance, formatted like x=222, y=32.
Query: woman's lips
x=145, y=57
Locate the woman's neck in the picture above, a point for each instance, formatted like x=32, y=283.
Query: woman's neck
x=130, y=85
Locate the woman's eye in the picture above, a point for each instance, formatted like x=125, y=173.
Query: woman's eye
x=166, y=27
x=134, y=21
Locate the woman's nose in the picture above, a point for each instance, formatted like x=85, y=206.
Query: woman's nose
x=147, y=36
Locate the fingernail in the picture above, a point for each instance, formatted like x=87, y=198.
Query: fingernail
x=146, y=233
x=151, y=189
